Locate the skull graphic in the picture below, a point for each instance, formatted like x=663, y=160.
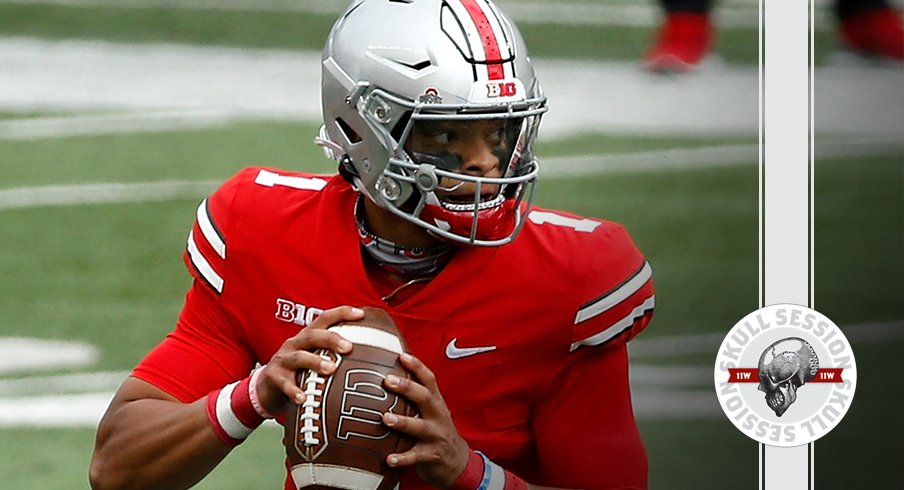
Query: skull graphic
x=784, y=367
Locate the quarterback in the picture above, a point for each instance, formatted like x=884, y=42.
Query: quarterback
x=516, y=317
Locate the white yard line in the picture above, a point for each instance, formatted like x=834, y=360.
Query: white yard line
x=68, y=195
x=88, y=76
x=29, y=355
x=106, y=381
x=82, y=410
x=40, y=128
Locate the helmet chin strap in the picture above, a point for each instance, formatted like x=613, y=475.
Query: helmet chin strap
x=399, y=259
x=331, y=149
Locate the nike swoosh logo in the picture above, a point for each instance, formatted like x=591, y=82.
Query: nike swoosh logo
x=455, y=352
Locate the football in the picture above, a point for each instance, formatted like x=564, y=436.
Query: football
x=336, y=437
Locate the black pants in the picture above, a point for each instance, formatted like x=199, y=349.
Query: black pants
x=842, y=8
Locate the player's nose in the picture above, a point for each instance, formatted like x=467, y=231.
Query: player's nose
x=478, y=158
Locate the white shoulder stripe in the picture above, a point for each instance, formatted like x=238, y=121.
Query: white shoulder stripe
x=269, y=179
x=617, y=327
x=210, y=231
x=202, y=265
x=604, y=303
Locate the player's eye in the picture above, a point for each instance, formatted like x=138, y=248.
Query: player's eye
x=443, y=138
x=497, y=136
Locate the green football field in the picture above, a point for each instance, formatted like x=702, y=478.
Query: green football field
x=93, y=224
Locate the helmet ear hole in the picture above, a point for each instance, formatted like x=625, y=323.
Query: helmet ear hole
x=399, y=127
x=350, y=134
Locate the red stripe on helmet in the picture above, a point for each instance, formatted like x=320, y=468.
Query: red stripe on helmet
x=488, y=38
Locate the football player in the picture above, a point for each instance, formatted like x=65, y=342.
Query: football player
x=516, y=317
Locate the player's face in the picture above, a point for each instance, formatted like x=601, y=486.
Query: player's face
x=479, y=148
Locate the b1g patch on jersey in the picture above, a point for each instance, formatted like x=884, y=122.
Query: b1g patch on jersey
x=785, y=375
x=297, y=313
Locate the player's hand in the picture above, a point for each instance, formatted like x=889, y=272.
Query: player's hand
x=277, y=384
x=440, y=455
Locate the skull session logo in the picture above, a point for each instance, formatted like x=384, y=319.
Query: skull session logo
x=785, y=375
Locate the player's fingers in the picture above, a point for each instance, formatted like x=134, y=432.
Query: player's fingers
x=278, y=380
x=412, y=390
x=420, y=371
x=296, y=360
x=276, y=385
x=417, y=454
x=291, y=390
x=413, y=426
x=315, y=338
x=335, y=315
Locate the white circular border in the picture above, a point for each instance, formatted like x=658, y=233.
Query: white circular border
x=802, y=435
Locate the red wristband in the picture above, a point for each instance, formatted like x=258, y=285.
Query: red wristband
x=470, y=478
x=252, y=394
x=482, y=474
x=512, y=482
x=231, y=413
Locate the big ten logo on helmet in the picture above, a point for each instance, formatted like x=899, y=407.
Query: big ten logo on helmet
x=297, y=313
x=501, y=89
x=364, y=401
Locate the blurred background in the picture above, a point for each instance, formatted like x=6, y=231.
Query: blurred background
x=118, y=116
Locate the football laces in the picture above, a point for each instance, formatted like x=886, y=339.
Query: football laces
x=313, y=391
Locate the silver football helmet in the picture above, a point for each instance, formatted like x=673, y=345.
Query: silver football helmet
x=391, y=65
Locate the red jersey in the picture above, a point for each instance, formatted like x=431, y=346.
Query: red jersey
x=526, y=340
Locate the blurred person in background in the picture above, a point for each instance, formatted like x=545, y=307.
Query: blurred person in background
x=869, y=28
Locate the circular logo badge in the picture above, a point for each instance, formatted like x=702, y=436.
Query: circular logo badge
x=785, y=375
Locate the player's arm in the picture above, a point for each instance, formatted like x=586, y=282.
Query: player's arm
x=585, y=432
x=441, y=456
x=583, y=424
x=150, y=439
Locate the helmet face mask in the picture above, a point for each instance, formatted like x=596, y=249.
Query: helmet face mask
x=394, y=93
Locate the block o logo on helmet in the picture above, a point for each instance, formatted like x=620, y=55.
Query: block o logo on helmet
x=785, y=375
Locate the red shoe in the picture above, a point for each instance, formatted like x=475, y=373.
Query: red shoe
x=876, y=33
x=682, y=42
